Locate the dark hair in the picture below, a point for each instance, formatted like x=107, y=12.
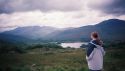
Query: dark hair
x=95, y=34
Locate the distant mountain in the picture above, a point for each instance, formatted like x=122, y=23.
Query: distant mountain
x=112, y=29
x=32, y=32
x=112, y=23
x=8, y=38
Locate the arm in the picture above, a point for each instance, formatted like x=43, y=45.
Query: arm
x=90, y=51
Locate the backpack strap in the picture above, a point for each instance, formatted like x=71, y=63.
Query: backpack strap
x=94, y=44
x=99, y=47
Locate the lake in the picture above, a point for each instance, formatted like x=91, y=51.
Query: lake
x=73, y=44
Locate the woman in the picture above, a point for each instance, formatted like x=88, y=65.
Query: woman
x=95, y=53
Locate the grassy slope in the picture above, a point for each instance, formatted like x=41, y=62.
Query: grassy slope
x=59, y=60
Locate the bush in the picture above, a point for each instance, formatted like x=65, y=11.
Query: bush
x=44, y=45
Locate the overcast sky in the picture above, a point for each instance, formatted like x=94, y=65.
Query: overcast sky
x=58, y=13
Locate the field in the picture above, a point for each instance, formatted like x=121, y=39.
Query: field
x=59, y=59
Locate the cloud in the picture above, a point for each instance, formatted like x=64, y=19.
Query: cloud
x=55, y=19
x=114, y=7
x=58, y=13
x=9, y=6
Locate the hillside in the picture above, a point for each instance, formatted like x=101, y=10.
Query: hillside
x=8, y=38
x=112, y=29
x=32, y=32
x=53, y=59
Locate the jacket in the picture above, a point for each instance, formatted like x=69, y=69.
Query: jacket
x=94, y=55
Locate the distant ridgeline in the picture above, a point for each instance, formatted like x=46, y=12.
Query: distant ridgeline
x=110, y=30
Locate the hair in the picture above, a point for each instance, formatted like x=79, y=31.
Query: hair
x=96, y=36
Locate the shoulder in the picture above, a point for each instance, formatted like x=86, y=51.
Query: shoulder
x=97, y=42
x=90, y=45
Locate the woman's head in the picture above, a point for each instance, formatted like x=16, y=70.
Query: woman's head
x=94, y=35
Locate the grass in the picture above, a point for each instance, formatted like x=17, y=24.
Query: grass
x=59, y=60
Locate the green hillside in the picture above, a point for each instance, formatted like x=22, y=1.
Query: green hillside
x=58, y=59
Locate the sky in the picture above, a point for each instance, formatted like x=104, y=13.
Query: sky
x=58, y=13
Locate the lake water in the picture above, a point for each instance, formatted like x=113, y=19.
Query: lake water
x=73, y=45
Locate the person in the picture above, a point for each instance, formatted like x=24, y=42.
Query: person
x=95, y=53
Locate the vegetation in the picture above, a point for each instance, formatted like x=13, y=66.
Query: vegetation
x=52, y=57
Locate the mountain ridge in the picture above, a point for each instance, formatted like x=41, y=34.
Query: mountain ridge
x=112, y=29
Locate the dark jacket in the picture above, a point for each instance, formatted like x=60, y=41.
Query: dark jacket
x=90, y=47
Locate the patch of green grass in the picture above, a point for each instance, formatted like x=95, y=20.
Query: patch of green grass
x=59, y=60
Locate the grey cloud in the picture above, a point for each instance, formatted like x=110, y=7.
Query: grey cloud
x=116, y=7
x=9, y=6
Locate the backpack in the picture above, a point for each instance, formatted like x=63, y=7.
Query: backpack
x=95, y=60
x=99, y=47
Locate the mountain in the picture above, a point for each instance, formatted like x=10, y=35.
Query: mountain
x=32, y=32
x=110, y=30
x=8, y=38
